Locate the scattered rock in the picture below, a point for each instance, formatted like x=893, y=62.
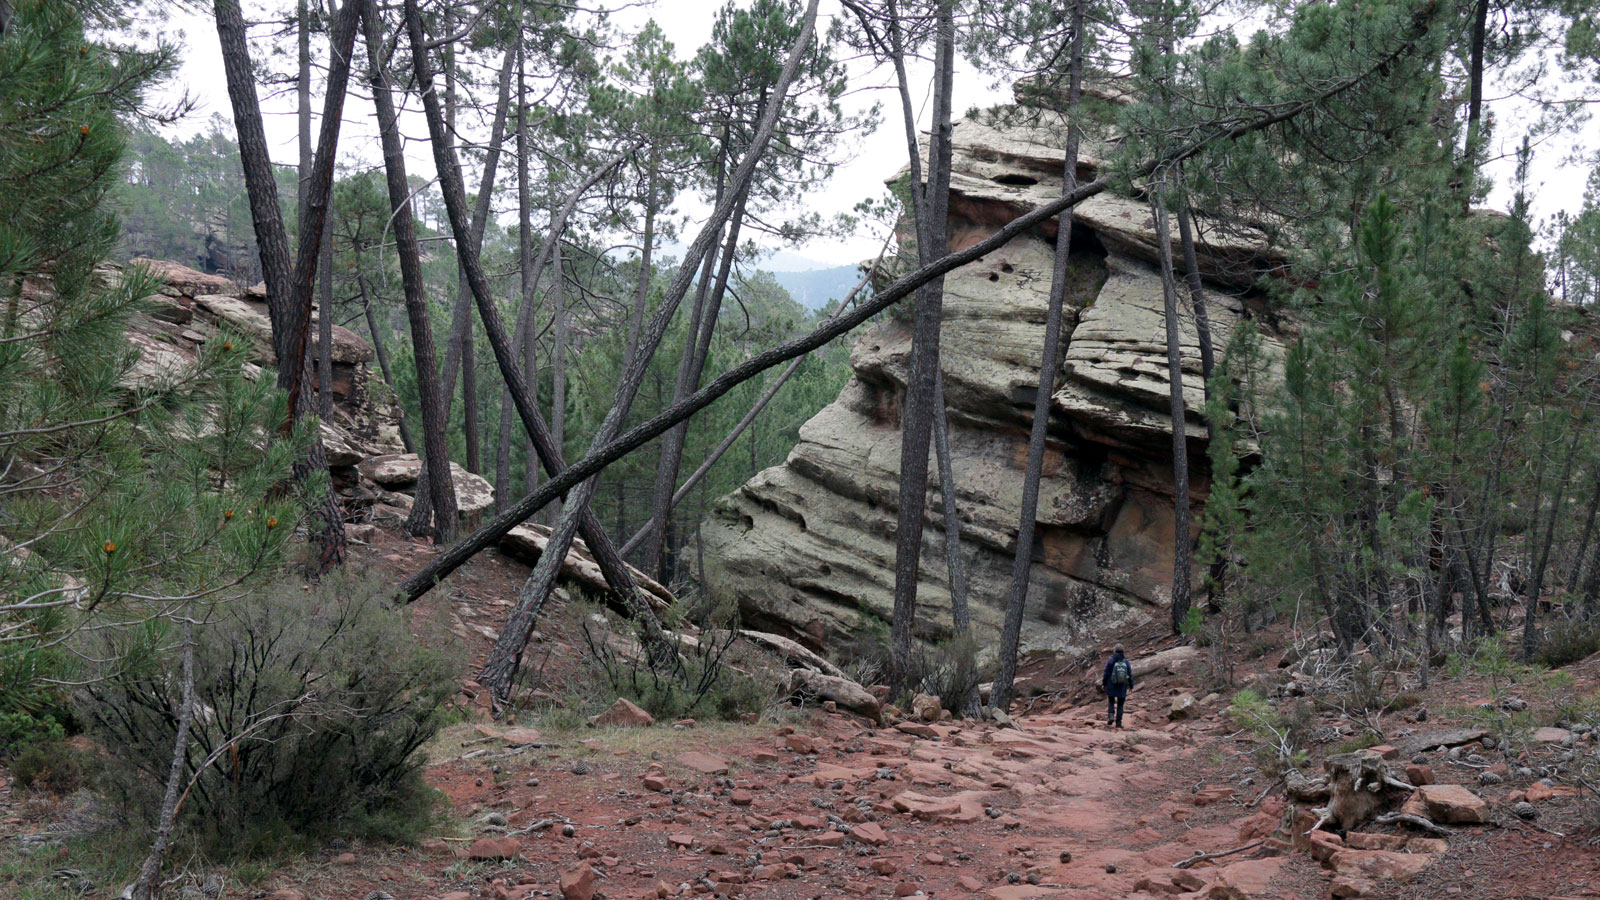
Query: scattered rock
x=704, y=763
x=623, y=714
x=494, y=848
x=870, y=833
x=1182, y=707
x=1453, y=804
x=1379, y=865
x=579, y=883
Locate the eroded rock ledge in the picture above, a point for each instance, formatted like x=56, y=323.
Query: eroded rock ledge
x=807, y=548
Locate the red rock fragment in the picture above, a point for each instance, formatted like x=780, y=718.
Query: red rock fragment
x=578, y=884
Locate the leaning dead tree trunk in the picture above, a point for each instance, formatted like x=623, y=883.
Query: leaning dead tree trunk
x=450, y=182
x=289, y=279
x=144, y=887
x=744, y=423
x=506, y=657
x=435, y=453
x=604, y=453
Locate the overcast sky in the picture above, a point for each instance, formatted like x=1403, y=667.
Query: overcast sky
x=687, y=23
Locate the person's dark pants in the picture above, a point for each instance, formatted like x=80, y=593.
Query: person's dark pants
x=1114, y=700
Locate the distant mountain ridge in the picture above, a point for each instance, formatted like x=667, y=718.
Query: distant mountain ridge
x=815, y=287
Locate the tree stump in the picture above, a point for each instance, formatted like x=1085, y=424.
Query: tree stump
x=1361, y=785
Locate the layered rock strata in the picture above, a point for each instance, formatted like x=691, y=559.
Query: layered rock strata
x=807, y=548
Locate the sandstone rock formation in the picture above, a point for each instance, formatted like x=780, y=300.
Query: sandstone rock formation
x=807, y=548
x=374, y=479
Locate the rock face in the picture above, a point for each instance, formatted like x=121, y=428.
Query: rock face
x=193, y=308
x=807, y=548
x=362, y=438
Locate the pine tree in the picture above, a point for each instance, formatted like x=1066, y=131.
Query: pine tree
x=134, y=489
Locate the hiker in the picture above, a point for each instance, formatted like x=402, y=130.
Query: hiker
x=1117, y=682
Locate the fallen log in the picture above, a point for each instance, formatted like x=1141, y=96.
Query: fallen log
x=848, y=694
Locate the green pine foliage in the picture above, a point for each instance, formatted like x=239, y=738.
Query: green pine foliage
x=133, y=485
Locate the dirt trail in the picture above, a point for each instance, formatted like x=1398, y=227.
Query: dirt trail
x=1055, y=808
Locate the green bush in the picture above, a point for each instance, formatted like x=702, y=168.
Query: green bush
x=52, y=765
x=1566, y=644
x=703, y=682
x=312, y=704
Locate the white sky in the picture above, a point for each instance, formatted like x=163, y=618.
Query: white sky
x=1557, y=183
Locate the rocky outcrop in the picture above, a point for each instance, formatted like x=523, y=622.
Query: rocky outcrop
x=368, y=469
x=807, y=548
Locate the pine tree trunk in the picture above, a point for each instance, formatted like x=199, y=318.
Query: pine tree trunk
x=145, y=886
x=325, y=327
x=916, y=426
x=1181, y=544
x=459, y=343
x=469, y=403
x=435, y=453
x=1049, y=366
x=1197, y=297
x=1583, y=544
x=526, y=277
x=702, y=325
x=383, y=368
x=302, y=91
x=959, y=613
x=558, y=354
x=289, y=278
x=1530, y=628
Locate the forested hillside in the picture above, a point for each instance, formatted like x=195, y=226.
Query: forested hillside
x=415, y=486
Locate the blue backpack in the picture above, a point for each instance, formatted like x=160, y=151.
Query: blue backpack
x=1121, y=673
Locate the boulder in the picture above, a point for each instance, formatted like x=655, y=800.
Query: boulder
x=1452, y=804
x=402, y=471
x=250, y=318
x=926, y=708
x=180, y=280
x=1181, y=707
x=394, y=471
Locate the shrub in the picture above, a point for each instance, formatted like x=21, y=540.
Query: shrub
x=701, y=683
x=312, y=703
x=948, y=670
x=30, y=709
x=52, y=765
x=1283, y=734
x=1564, y=645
